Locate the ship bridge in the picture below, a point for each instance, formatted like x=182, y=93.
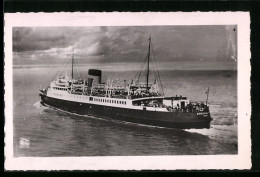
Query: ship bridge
x=148, y=101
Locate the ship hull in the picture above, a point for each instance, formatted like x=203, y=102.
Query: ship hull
x=181, y=120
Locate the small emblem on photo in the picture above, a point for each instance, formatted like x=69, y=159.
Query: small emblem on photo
x=24, y=143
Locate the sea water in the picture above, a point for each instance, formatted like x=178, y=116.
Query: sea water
x=54, y=133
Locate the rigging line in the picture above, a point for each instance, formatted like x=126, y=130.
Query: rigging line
x=160, y=81
x=155, y=67
x=141, y=69
x=67, y=66
x=80, y=70
x=64, y=66
x=59, y=70
x=139, y=73
x=77, y=67
x=143, y=63
x=141, y=58
x=157, y=71
x=75, y=72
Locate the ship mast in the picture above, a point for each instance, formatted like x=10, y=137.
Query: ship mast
x=72, y=64
x=147, y=76
x=207, y=92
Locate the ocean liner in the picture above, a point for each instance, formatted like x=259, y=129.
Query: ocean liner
x=127, y=101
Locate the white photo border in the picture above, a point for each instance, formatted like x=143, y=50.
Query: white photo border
x=184, y=162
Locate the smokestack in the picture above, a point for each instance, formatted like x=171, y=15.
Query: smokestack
x=95, y=74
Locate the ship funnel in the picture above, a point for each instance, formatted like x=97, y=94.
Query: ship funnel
x=95, y=74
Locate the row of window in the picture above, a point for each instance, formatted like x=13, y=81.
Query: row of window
x=71, y=96
x=56, y=94
x=107, y=101
x=97, y=99
x=57, y=88
x=75, y=96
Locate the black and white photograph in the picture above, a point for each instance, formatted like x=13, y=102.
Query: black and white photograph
x=128, y=90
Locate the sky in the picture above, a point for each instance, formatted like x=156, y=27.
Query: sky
x=182, y=47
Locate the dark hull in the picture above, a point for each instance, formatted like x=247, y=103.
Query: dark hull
x=182, y=120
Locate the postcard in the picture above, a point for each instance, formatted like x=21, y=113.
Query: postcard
x=127, y=91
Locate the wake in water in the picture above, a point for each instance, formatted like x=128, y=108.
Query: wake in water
x=225, y=133
x=40, y=106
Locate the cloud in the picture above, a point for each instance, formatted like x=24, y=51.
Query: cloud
x=123, y=44
x=30, y=39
